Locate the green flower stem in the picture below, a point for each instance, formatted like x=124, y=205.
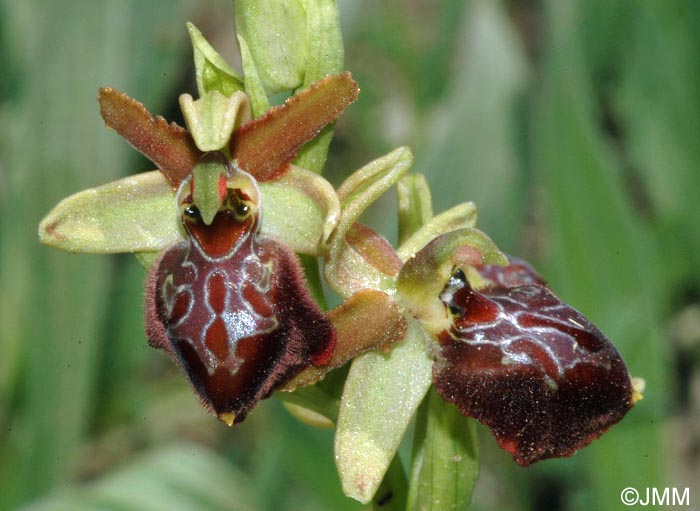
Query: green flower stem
x=445, y=461
x=313, y=279
x=444, y=464
x=391, y=495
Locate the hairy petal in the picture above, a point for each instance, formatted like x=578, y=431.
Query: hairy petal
x=266, y=146
x=363, y=260
x=368, y=320
x=169, y=146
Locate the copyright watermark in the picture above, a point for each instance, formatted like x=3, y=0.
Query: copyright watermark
x=655, y=496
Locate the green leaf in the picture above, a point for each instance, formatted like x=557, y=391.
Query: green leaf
x=186, y=477
x=138, y=214
x=134, y=214
x=214, y=117
x=445, y=462
x=53, y=143
x=472, y=147
x=275, y=33
x=211, y=70
x=658, y=103
x=602, y=257
x=415, y=204
x=259, y=104
x=381, y=394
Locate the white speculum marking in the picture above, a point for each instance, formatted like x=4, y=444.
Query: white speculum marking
x=476, y=335
x=240, y=322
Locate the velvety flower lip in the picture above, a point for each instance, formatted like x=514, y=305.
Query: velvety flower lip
x=534, y=370
x=239, y=326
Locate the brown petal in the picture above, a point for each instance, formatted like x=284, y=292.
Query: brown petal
x=368, y=320
x=266, y=146
x=534, y=370
x=374, y=249
x=362, y=260
x=169, y=146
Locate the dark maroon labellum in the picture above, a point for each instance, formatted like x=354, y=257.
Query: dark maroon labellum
x=534, y=370
x=231, y=306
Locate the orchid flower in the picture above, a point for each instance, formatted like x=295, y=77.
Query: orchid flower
x=219, y=226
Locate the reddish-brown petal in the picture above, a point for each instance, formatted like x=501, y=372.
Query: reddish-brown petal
x=368, y=320
x=534, y=370
x=169, y=146
x=267, y=145
x=374, y=249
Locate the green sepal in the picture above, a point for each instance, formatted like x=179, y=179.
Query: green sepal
x=212, y=72
x=139, y=214
x=381, y=394
x=356, y=193
x=275, y=34
x=134, y=214
x=415, y=204
x=424, y=275
x=301, y=208
x=445, y=462
x=212, y=119
x=459, y=217
x=309, y=417
x=254, y=88
x=147, y=259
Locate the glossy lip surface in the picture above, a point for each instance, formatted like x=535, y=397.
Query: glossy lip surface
x=536, y=371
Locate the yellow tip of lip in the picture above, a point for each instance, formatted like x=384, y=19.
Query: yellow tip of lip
x=638, y=386
x=227, y=418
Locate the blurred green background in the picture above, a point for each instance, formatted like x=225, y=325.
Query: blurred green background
x=574, y=125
